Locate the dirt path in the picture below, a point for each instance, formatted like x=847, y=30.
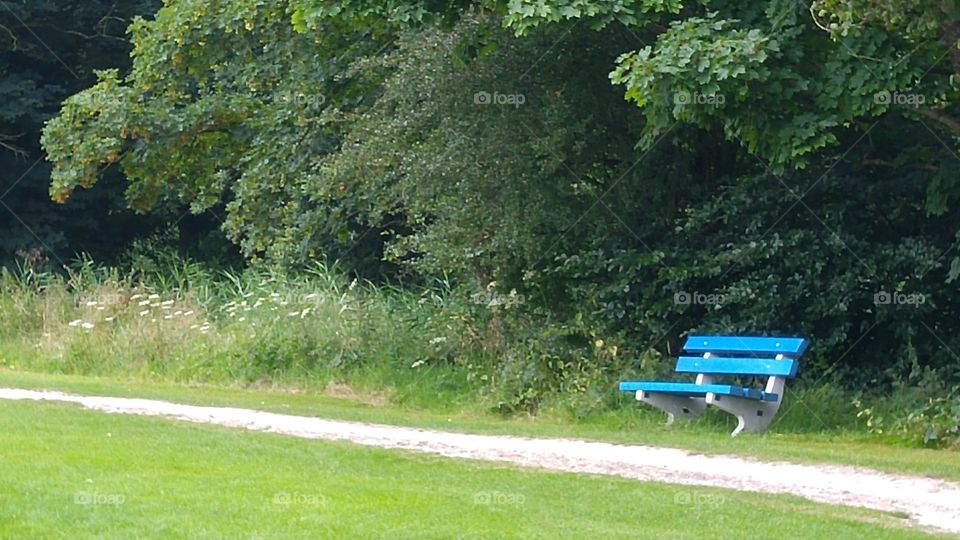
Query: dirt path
x=931, y=503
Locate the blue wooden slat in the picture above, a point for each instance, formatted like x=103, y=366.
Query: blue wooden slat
x=746, y=345
x=716, y=365
x=695, y=390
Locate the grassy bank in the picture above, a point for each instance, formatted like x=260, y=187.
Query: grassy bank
x=433, y=349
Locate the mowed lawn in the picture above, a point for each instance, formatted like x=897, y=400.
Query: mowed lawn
x=640, y=426
x=71, y=473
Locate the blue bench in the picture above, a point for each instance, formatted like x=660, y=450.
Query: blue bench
x=713, y=357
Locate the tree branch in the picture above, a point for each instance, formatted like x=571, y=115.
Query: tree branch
x=944, y=119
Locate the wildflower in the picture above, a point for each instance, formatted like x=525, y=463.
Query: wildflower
x=438, y=340
x=109, y=319
x=599, y=343
x=91, y=303
x=154, y=297
x=188, y=313
x=417, y=364
x=136, y=297
x=167, y=317
x=241, y=319
x=304, y=312
x=76, y=322
x=293, y=314
x=144, y=312
x=144, y=303
x=167, y=303
x=87, y=326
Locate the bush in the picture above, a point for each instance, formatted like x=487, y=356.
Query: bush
x=857, y=268
x=932, y=422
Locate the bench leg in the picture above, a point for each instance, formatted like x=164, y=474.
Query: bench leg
x=688, y=408
x=753, y=416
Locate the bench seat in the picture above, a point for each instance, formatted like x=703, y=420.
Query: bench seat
x=697, y=390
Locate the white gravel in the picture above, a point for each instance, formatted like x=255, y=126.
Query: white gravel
x=931, y=503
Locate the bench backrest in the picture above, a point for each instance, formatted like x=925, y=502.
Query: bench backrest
x=742, y=355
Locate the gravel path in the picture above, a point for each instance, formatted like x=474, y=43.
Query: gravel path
x=931, y=503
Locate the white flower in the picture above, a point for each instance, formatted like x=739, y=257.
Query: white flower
x=437, y=340
x=304, y=312
x=417, y=364
x=167, y=303
x=87, y=326
x=144, y=303
x=293, y=314
x=154, y=297
x=188, y=313
x=76, y=322
x=109, y=319
x=91, y=303
x=136, y=297
x=144, y=313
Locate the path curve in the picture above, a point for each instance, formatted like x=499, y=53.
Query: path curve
x=931, y=503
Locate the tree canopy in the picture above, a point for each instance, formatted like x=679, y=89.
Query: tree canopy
x=602, y=157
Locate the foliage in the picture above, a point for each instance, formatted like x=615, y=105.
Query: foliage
x=855, y=266
x=48, y=51
x=792, y=163
x=931, y=421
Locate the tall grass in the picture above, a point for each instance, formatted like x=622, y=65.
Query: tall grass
x=433, y=346
x=259, y=326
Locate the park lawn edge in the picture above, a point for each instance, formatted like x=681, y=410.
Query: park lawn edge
x=643, y=428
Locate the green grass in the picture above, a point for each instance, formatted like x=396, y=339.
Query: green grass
x=69, y=473
x=634, y=426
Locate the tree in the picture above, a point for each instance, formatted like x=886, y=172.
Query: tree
x=48, y=51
